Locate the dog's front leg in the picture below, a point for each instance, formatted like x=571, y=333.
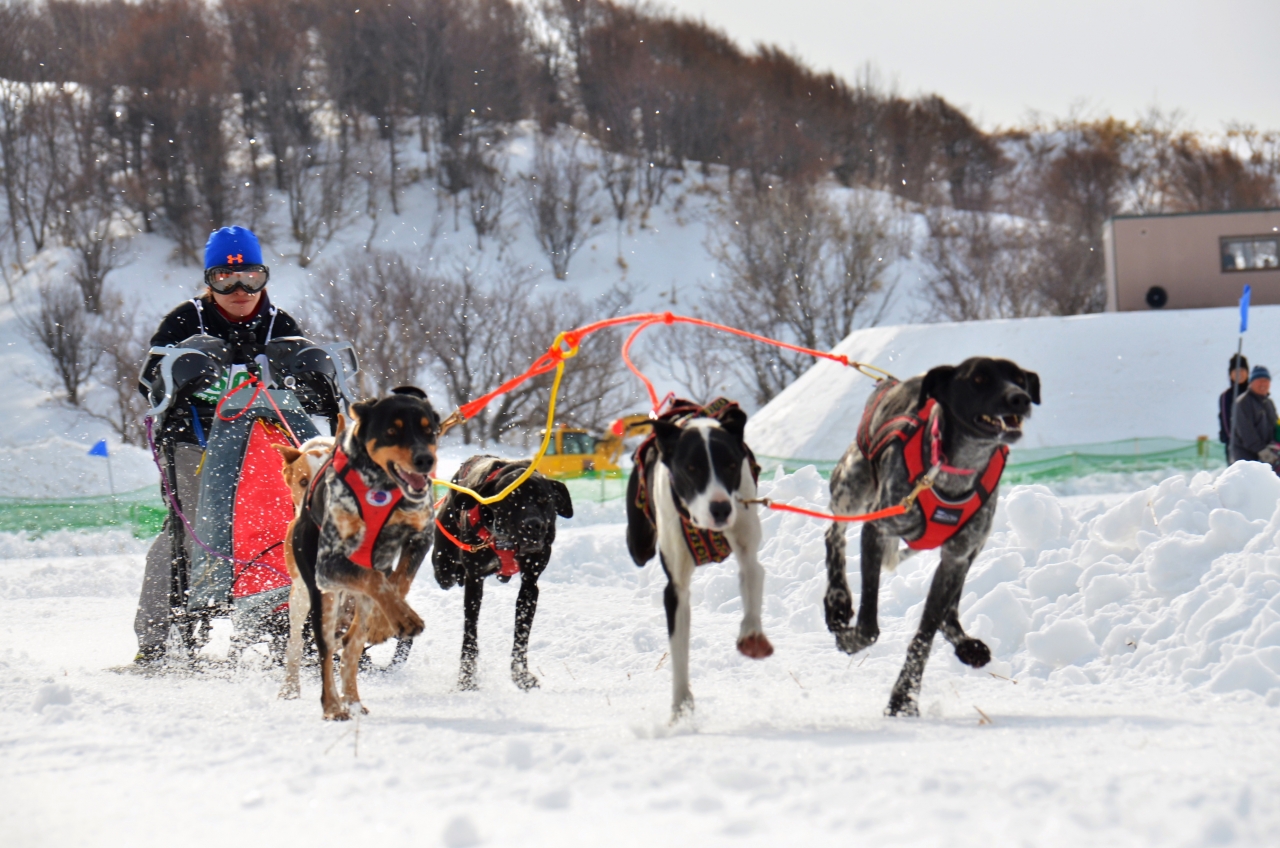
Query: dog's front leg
x=327, y=642
x=745, y=541
x=677, y=602
x=867, y=630
x=948, y=582
x=470, y=641
x=526, y=608
x=352, y=649
x=299, y=609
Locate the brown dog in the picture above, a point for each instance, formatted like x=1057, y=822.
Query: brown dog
x=363, y=530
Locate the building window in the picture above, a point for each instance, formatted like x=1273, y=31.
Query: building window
x=1250, y=253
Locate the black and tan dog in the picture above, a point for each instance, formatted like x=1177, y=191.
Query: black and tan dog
x=950, y=428
x=509, y=537
x=364, y=531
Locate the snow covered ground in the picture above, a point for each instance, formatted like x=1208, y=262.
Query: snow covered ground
x=1142, y=630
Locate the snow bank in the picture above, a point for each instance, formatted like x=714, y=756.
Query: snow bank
x=1105, y=377
x=62, y=468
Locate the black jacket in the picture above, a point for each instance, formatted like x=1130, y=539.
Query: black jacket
x=1253, y=426
x=247, y=340
x=1226, y=403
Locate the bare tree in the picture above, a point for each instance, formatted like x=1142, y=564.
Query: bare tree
x=320, y=182
x=122, y=340
x=560, y=201
x=796, y=268
x=618, y=175
x=59, y=329
x=982, y=268
x=367, y=298
x=34, y=156
x=487, y=193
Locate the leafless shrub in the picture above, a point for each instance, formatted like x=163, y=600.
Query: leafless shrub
x=320, y=182
x=487, y=195
x=618, y=175
x=560, y=201
x=797, y=268
x=34, y=158
x=122, y=339
x=367, y=298
x=483, y=333
x=59, y=329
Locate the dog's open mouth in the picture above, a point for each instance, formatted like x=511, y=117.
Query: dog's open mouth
x=1001, y=424
x=414, y=484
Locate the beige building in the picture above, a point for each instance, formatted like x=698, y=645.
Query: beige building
x=1191, y=261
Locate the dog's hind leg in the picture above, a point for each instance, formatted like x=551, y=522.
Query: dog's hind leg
x=326, y=608
x=526, y=608
x=837, y=603
x=470, y=642
x=745, y=541
x=299, y=608
x=352, y=651
x=948, y=581
x=677, y=602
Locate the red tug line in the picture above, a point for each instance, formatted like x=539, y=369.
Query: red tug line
x=573, y=338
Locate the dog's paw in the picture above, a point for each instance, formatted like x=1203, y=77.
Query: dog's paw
x=290, y=692
x=854, y=639
x=838, y=607
x=523, y=679
x=337, y=714
x=682, y=709
x=467, y=683
x=409, y=625
x=902, y=706
x=756, y=646
x=973, y=652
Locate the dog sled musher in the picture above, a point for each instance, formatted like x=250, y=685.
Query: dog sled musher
x=236, y=563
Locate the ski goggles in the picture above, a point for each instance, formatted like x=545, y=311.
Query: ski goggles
x=224, y=279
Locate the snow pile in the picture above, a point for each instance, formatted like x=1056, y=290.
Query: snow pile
x=1178, y=583
x=61, y=468
x=1104, y=377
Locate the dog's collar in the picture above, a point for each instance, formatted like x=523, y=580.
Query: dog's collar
x=474, y=518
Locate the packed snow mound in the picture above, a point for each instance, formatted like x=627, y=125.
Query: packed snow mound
x=1104, y=377
x=62, y=468
x=1179, y=582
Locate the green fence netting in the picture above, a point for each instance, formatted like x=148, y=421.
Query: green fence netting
x=1033, y=465
x=141, y=512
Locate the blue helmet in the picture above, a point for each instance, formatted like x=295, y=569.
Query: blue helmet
x=232, y=246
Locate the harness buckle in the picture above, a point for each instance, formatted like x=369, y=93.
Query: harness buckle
x=925, y=482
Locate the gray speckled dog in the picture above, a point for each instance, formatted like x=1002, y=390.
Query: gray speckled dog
x=952, y=425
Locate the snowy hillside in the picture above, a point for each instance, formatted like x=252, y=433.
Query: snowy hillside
x=1103, y=377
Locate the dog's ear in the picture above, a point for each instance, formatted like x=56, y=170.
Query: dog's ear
x=734, y=422
x=936, y=381
x=359, y=410
x=666, y=435
x=560, y=494
x=342, y=425
x=411, y=391
x=287, y=452
x=1033, y=386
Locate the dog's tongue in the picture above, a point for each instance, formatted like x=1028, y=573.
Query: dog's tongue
x=417, y=481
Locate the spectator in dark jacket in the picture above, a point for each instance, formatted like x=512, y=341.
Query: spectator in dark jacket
x=1253, y=423
x=235, y=308
x=1238, y=376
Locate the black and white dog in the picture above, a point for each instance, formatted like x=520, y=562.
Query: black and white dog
x=509, y=537
x=951, y=426
x=689, y=502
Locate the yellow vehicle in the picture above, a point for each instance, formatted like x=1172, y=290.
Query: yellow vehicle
x=574, y=452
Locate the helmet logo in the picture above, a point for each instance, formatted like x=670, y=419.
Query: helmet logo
x=235, y=258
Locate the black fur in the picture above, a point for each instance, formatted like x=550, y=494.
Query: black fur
x=524, y=521
x=984, y=402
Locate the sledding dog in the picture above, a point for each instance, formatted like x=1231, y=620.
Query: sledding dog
x=509, y=537
x=365, y=529
x=937, y=442
x=301, y=465
x=685, y=499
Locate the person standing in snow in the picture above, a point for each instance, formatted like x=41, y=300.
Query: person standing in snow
x=1238, y=378
x=1253, y=422
x=235, y=308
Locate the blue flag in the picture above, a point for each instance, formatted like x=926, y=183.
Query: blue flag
x=100, y=449
x=1244, y=308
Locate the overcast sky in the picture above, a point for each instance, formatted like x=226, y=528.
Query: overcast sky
x=999, y=59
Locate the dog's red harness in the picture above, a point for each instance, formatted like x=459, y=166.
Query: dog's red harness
x=375, y=505
x=508, y=567
x=943, y=518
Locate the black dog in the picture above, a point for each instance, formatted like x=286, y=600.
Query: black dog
x=513, y=535
x=949, y=429
x=364, y=530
